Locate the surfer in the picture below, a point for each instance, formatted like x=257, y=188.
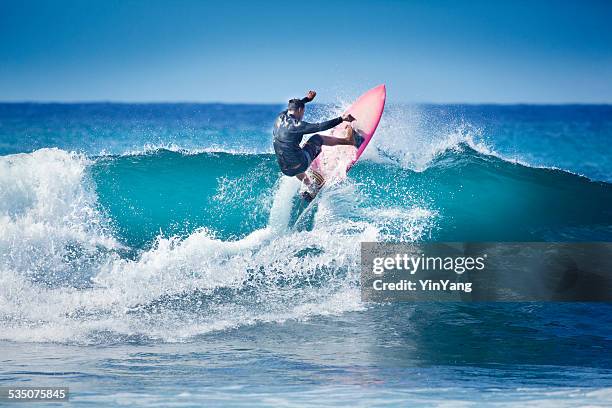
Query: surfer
x=289, y=129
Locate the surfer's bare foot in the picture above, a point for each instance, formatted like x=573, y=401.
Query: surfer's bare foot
x=350, y=138
x=353, y=137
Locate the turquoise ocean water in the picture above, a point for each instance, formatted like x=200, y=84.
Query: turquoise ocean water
x=145, y=257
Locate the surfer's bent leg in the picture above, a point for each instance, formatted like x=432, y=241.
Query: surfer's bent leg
x=332, y=141
x=352, y=139
x=312, y=148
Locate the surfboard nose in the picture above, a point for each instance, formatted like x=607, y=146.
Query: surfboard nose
x=380, y=91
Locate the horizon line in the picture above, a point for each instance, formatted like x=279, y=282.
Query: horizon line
x=112, y=102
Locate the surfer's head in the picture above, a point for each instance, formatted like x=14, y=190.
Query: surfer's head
x=296, y=108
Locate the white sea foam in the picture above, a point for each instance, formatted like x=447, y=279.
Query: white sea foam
x=62, y=278
x=407, y=137
x=48, y=216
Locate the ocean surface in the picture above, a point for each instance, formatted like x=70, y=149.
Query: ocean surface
x=146, y=259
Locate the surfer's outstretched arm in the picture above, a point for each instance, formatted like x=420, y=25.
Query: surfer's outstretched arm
x=306, y=127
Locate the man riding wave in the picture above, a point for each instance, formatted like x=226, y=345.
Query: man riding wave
x=289, y=129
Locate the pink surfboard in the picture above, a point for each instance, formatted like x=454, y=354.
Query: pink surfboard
x=334, y=162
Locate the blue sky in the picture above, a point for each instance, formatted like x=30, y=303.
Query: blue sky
x=268, y=51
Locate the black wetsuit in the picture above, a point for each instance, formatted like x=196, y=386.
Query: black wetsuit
x=288, y=133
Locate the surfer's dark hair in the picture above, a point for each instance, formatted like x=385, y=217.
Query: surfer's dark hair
x=295, y=104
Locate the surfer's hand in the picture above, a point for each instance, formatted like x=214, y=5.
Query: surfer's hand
x=348, y=117
x=311, y=95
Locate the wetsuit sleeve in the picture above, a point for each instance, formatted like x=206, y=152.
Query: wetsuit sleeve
x=305, y=127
